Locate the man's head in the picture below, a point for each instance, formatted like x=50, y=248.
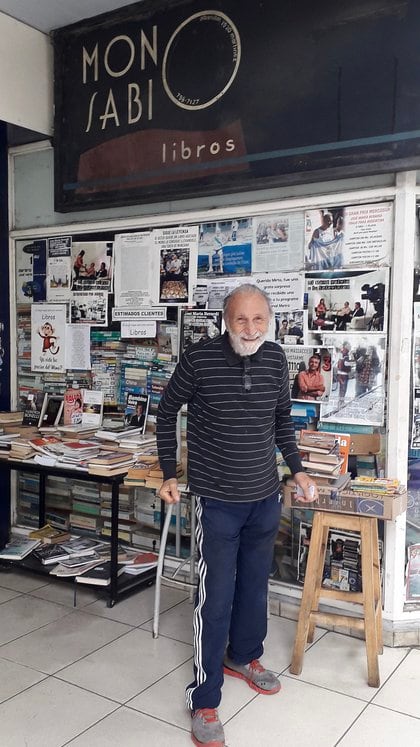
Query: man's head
x=284, y=323
x=327, y=220
x=247, y=312
x=314, y=363
x=139, y=409
x=356, y=305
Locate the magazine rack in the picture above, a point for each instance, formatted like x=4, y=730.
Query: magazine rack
x=369, y=597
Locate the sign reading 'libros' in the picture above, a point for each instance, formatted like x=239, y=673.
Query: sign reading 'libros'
x=194, y=97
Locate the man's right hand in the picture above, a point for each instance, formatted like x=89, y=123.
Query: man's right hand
x=169, y=491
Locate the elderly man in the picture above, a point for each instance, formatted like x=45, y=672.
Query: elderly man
x=237, y=390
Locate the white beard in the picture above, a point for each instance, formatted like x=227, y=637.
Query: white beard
x=244, y=347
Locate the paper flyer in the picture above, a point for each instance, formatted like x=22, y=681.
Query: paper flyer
x=174, y=264
x=89, y=307
x=58, y=268
x=225, y=248
x=48, y=334
x=92, y=265
x=278, y=242
x=132, y=271
x=310, y=372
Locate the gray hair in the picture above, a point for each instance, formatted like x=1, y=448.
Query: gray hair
x=244, y=289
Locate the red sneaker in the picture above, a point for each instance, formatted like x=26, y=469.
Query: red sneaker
x=254, y=674
x=206, y=728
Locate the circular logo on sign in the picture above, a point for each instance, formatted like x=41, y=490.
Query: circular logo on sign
x=201, y=60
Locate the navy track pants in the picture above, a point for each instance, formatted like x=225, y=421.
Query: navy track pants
x=235, y=542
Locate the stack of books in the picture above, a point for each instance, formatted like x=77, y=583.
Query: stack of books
x=325, y=457
x=108, y=463
x=376, y=485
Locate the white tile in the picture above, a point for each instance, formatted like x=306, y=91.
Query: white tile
x=22, y=581
x=402, y=691
x=24, y=614
x=62, y=592
x=166, y=698
x=339, y=663
x=123, y=668
x=63, y=642
x=49, y=714
x=278, y=645
x=138, y=607
x=15, y=678
x=176, y=622
x=299, y=715
x=6, y=594
x=378, y=726
x=130, y=729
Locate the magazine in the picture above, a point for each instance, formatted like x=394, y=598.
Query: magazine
x=136, y=410
x=92, y=407
x=73, y=400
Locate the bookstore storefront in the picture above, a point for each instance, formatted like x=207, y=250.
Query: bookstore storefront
x=335, y=248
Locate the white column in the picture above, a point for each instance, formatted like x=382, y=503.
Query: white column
x=399, y=367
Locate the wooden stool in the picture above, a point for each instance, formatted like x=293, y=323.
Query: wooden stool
x=370, y=597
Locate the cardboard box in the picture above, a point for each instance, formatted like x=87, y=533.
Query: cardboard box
x=349, y=502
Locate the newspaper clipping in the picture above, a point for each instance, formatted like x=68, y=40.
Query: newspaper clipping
x=310, y=372
x=225, y=248
x=356, y=302
x=277, y=242
x=337, y=237
x=357, y=393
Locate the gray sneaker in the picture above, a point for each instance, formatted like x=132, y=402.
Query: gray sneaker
x=254, y=674
x=206, y=728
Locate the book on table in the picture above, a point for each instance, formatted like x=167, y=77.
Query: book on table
x=18, y=548
x=32, y=406
x=100, y=575
x=81, y=546
x=49, y=554
x=51, y=410
x=49, y=534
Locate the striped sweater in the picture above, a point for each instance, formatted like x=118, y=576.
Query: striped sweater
x=238, y=410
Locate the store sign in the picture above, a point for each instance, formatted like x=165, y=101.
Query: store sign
x=188, y=98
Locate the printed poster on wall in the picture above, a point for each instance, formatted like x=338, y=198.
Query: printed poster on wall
x=357, y=393
x=58, y=268
x=132, y=273
x=198, y=325
x=278, y=242
x=48, y=334
x=31, y=270
x=174, y=264
x=89, y=307
x=225, y=248
x=356, y=302
x=92, y=265
x=337, y=237
x=310, y=372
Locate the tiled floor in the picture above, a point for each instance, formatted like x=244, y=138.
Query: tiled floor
x=94, y=677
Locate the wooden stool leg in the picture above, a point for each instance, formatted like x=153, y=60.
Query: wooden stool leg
x=309, y=589
x=315, y=604
x=377, y=585
x=369, y=602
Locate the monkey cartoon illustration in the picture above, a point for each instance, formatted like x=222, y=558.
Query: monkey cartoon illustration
x=49, y=340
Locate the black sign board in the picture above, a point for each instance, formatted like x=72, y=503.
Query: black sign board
x=183, y=98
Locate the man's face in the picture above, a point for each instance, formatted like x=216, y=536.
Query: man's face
x=326, y=221
x=247, y=322
x=313, y=364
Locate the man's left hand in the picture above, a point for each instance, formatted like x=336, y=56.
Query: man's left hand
x=307, y=486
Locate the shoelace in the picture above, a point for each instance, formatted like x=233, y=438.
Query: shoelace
x=209, y=714
x=255, y=666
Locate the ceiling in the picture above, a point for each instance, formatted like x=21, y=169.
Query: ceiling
x=46, y=15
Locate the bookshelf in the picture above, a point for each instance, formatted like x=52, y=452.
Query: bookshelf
x=119, y=585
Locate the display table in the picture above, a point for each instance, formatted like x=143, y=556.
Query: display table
x=119, y=585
